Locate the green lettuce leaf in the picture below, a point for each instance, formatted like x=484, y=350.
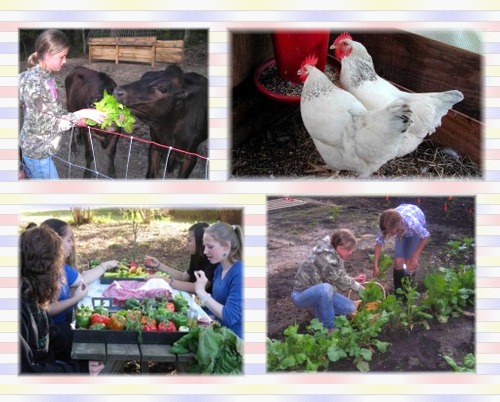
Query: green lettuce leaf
x=118, y=114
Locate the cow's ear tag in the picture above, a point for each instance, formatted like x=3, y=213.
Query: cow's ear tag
x=184, y=94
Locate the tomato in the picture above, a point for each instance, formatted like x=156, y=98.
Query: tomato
x=117, y=322
x=167, y=326
x=99, y=319
x=170, y=306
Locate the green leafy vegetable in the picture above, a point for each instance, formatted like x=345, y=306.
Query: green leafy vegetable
x=217, y=350
x=384, y=262
x=372, y=292
x=449, y=291
x=299, y=352
x=118, y=114
x=469, y=364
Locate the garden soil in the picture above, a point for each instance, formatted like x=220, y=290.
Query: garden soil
x=293, y=230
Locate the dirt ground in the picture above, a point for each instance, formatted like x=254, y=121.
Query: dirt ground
x=195, y=60
x=271, y=142
x=294, y=231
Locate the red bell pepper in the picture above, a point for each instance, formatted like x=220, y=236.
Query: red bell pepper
x=149, y=325
x=117, y=322
x=99, y=319
x=167, y=326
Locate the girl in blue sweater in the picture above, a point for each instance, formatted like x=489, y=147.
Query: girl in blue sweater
x=224, y=246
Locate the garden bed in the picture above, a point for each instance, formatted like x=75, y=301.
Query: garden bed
x=293, y=232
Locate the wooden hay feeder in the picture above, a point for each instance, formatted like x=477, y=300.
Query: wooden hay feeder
x=140, y=49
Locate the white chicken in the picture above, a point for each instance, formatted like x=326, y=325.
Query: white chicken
x=358, y=76
x=347, y=136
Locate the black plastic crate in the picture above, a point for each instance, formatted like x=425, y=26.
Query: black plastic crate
x=109, y=336
x=106, y=280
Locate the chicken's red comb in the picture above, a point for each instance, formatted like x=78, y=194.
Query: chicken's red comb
x=311, y=60
x=342, y=36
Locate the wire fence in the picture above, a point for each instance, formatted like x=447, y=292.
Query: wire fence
x=97, y=170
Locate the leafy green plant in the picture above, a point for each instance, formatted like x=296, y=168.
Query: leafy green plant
x=357, y=338
x=303, y=352
x=393, y=308
x=384, y=262
x=469, y=364
x=371, y=292
x=456, y=247
x=117, y=114
x=446, y=294
x=412, y=313
x=217, y=350
x=467, y=277
x=336, y=210
x=460, y=252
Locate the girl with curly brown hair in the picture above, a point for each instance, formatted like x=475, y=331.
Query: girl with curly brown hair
x=42, y=261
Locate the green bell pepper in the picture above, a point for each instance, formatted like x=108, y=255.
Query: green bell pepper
x=82, y=316
x=82, y=320
x=180, y=319
x=132, y=304
x=101, y=310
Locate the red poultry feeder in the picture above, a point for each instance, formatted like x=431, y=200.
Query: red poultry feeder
x=290, y=50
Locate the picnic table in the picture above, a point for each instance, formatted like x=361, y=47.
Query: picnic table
x=114, y=352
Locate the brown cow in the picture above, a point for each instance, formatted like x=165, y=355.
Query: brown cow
x=84, y=87
x=174, y=105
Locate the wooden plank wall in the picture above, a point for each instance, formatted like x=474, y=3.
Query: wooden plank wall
x=425, y=65
x=420, y=64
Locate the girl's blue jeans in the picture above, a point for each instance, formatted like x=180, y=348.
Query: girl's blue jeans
x=325, y=302
x=405, y=247
x=41, y=168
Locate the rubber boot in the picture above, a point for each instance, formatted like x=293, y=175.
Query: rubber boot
x=399, y=274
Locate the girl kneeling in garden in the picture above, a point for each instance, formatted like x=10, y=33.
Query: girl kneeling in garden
x=322, y=274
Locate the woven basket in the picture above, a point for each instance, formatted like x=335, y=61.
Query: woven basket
x=371, y=306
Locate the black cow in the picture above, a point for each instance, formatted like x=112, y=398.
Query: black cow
x=84, y=87
x=174, y=105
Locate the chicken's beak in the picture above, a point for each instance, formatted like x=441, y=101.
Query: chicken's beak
x=333, y=47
